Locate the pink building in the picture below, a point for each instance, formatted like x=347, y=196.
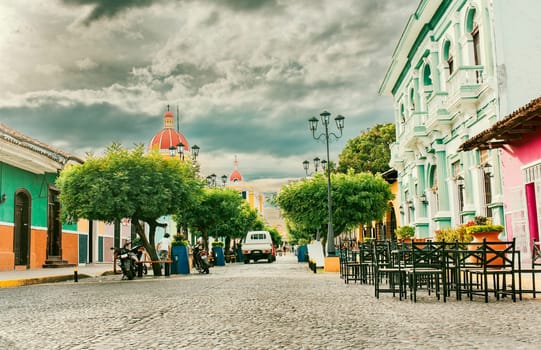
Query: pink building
x=518, y=138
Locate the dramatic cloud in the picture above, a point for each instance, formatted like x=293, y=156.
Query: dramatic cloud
x=244, y=75
x=108, y=8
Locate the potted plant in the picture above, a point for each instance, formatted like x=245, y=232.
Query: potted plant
x=482, y=227
x=405, y=233
x=454, y=234
x=178, y=241
x=179, y=255
x=218, y=251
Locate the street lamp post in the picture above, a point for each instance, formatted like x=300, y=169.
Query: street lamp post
x=195, y=152
x=180, y=150
x=211, y=180
x=331, y=251
x=306, y=165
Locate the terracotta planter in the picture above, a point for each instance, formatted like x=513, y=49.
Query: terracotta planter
x=490, y=236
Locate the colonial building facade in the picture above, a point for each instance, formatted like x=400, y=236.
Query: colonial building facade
x=459, y=67
x=32, y=234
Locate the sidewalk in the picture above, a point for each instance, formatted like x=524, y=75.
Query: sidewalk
x=48, y=275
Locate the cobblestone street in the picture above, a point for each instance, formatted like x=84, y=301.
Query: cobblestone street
x=258, y=306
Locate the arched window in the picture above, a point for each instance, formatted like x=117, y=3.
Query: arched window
x=427, y=76
x=412, y=99
x=433, y=183
x=473, y=28
x=447, y=56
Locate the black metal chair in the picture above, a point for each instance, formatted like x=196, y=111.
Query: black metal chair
x=427, y=269
x=366, y=258
x=496, y=264
x=352, y=266
x=388, y=269
x=344, y=256
x=465, y=257
x=536, y=263
x=535, y=268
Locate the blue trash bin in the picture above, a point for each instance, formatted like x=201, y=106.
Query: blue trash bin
x=181, y=261
x=219, y=258
x=302, y=253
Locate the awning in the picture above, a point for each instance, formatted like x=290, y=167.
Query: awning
x=510, y=129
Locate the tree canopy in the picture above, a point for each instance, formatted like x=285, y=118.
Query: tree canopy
x=220, y=212
x=368, y=152
x=356, y=199
x=128, y=184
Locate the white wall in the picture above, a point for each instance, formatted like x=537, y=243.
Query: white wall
x=518, y=50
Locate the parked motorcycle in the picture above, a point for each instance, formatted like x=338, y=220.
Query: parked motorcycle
x=127, y=260
x=200, y=259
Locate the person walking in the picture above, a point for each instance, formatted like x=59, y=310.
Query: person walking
x=163, y=247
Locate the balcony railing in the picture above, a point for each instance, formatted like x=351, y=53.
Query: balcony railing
x=466, y=83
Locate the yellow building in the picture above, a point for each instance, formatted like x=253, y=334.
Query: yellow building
x=249, y=193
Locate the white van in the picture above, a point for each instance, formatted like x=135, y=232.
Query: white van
x=258, y=245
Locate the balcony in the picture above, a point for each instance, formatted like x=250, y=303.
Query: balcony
x=438, y=117
x=464, y=87
x=412, y=130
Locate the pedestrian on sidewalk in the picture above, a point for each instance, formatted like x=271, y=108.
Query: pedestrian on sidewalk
x=163, y=247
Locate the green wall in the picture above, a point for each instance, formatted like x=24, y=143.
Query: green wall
x=13, y=179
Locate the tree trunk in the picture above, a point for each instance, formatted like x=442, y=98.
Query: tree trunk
x=148, y=243
x=205, y=237
x=227, y=247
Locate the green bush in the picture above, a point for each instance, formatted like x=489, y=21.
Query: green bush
x=405, y=232
x=302, y=242
x=482, y=224
x=451, y=234
x=179, y=240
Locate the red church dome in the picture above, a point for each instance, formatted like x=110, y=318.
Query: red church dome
x=168, y=136
x=235, y=175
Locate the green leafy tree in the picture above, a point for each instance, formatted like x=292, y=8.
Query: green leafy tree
x=128, y=184
x=295, y=233
x=356, y=199
x=369, y=152
x=276, y=237
x=214, y=213
x=246, y=219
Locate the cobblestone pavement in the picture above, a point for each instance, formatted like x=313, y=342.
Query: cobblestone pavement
x=257, y=306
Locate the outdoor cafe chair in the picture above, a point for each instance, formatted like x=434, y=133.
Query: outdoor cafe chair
x=427, y=269
x=458, y=260
x=534, y=269
x=389, y=273
x=352, y=266
x=495, y=264
x=366, y=258
x=349, y=261
x=343, y=254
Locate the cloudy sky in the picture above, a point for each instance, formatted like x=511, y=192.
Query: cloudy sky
x=246, y=75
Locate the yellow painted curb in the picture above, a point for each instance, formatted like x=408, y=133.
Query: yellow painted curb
x=37, y=280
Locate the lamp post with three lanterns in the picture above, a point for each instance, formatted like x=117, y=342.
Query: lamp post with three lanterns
x=317, y=162
x=180, y=150
x=211, y=180
x=325, y=116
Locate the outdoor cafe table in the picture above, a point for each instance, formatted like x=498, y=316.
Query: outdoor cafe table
x=458, y=260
